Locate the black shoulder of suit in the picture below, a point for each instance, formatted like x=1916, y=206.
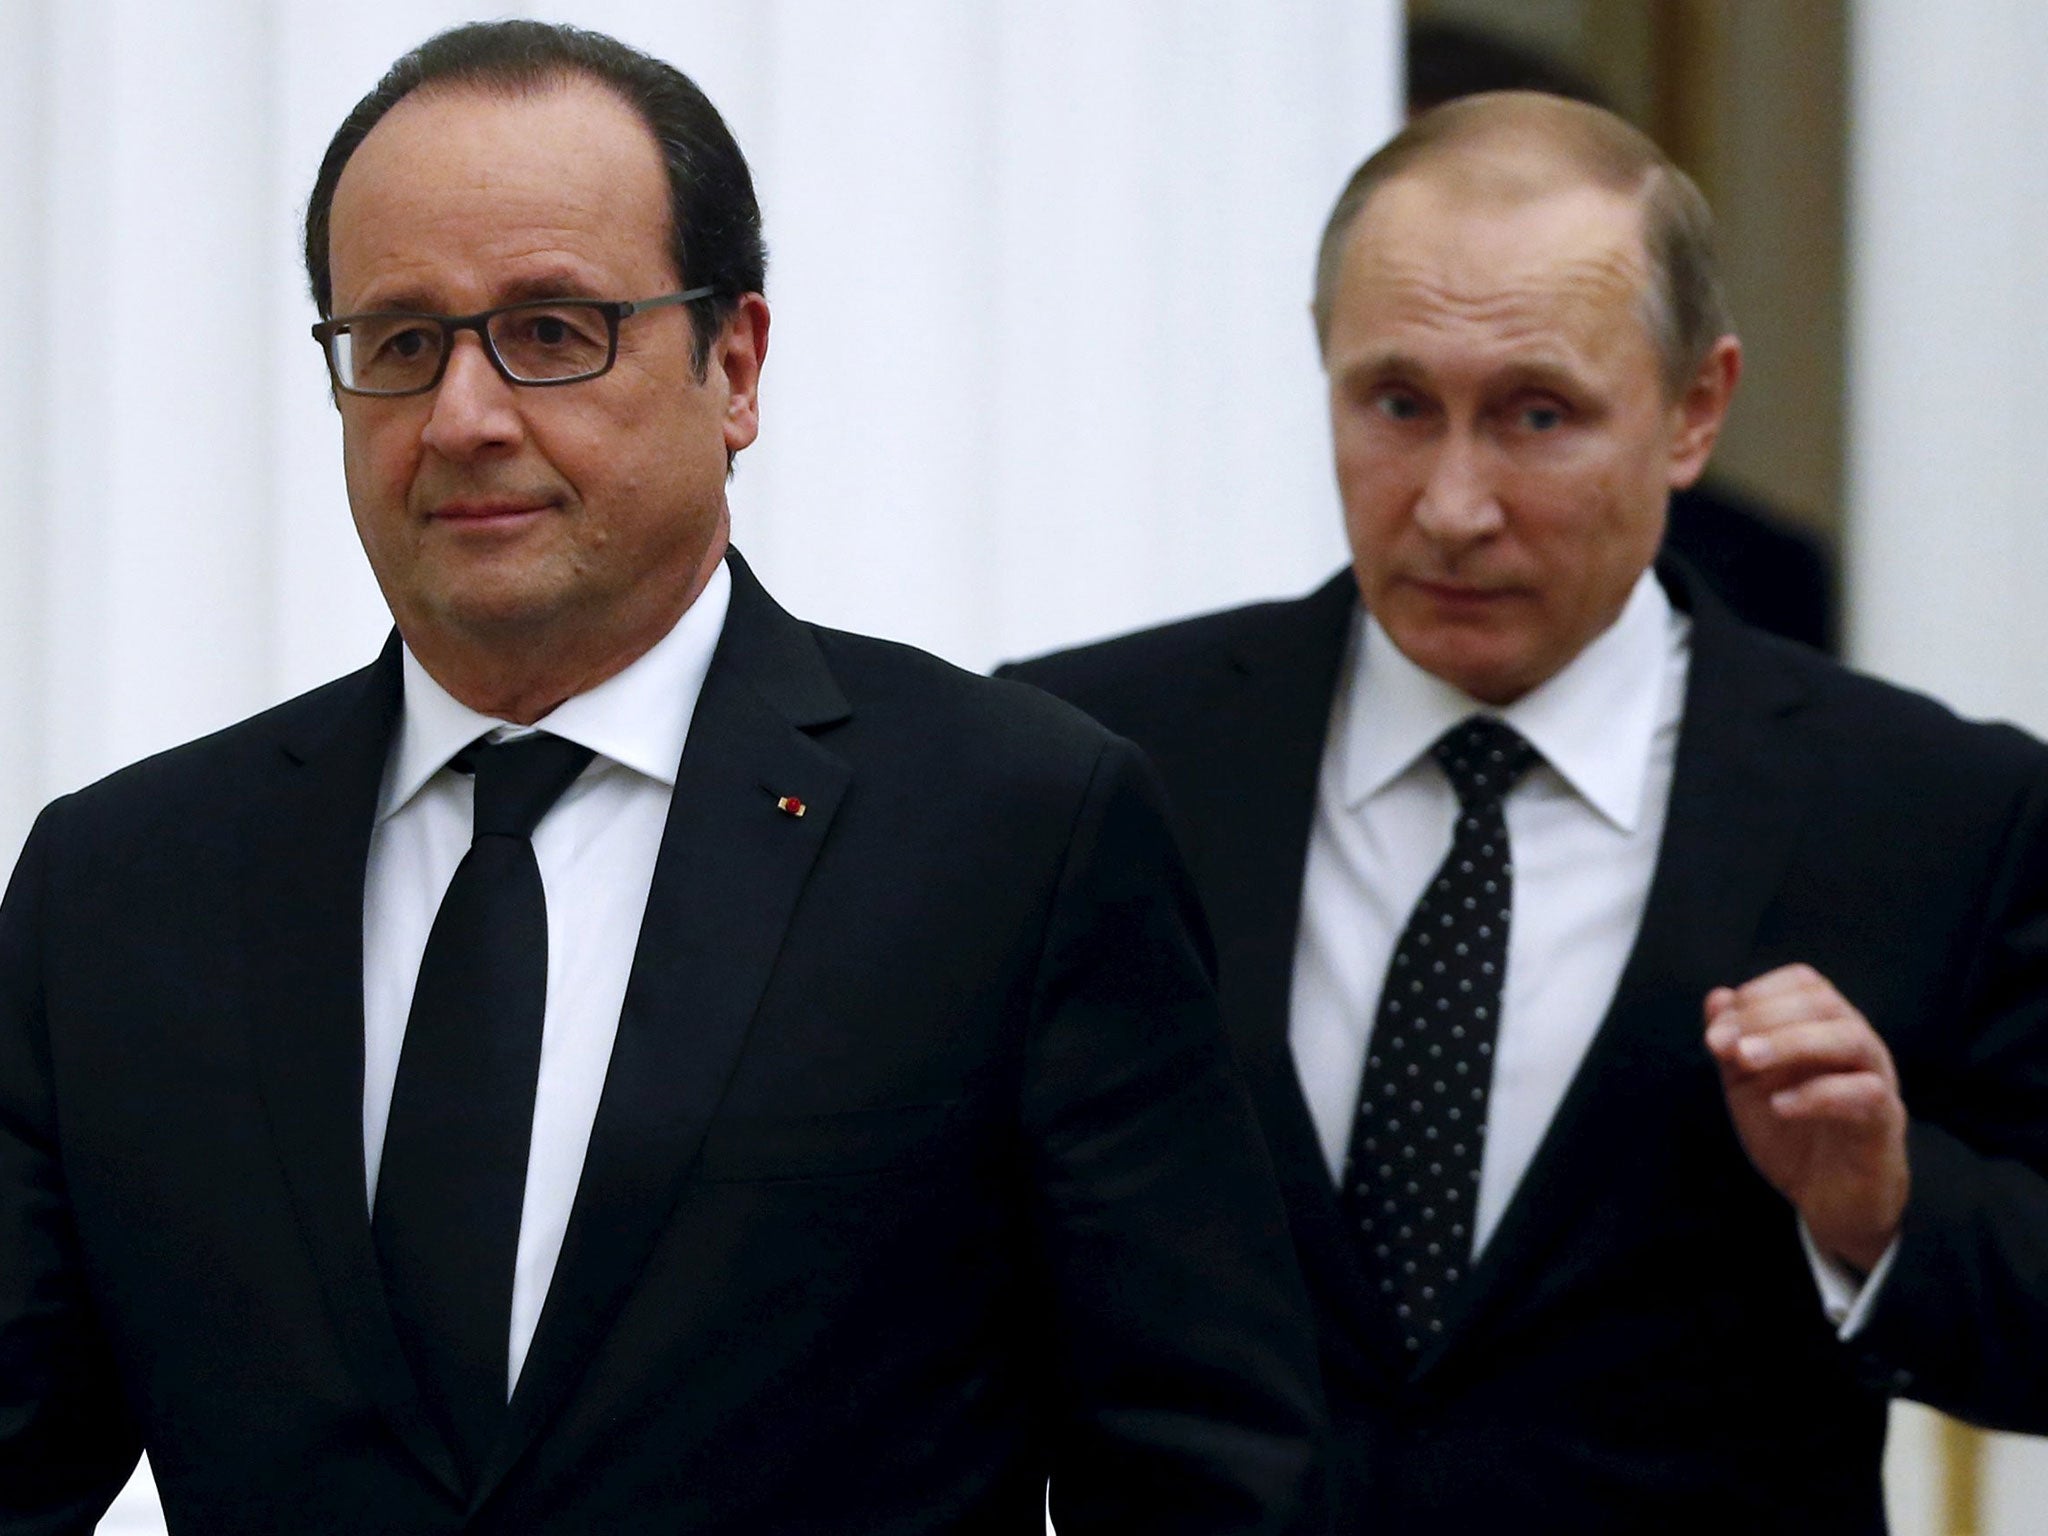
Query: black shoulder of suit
x=1132, y=667
x=1885, y=715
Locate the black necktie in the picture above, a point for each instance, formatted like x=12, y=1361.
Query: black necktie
x=1411, y=1180
x=453, y=1174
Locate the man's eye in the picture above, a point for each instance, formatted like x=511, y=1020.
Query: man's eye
x=1541, y=418
x=1397, y=405
x=405, y=345
x=552, y=328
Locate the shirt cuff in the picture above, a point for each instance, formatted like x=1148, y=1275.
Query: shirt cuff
x=1846, y=1300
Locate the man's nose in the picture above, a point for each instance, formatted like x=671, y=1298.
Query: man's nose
x=1459, y=503
x=475, y=409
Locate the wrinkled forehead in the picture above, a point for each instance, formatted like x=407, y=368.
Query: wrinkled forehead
x=463, y=177
x=1492, y=240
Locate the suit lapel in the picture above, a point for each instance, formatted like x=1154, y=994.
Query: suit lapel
x=731, y=869
x=1261, y=757
x=304, y=847
x=1261, y=746
x=1742, y=781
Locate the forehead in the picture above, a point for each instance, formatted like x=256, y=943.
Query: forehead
x=465, y=188
x=1433, y=259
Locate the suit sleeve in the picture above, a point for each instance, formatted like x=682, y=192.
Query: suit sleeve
x=1961, y=1322
x=66, y=1441
x=1190, y=1401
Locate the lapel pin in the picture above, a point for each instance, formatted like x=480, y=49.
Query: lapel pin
x=789, y=805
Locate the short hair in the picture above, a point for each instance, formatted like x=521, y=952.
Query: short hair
x=1685, y=308
x=714, y=217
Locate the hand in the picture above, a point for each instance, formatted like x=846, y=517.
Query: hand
x=1815, y=1100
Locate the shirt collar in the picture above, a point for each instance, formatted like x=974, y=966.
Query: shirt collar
x=639, y=717
x=1595, y=722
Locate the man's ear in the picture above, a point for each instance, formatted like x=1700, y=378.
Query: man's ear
x=736, y=357
x=1700, y=409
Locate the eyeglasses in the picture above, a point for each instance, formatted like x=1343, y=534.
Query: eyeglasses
x=539, y=342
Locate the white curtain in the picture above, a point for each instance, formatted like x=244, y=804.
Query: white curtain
x=1948, y=542
x=1041, y=366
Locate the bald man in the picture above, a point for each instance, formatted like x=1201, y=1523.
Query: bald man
x=1645, y=1014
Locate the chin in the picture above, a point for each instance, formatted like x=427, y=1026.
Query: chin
x=495, y=611
x=1468, y=662
x=1488, y=687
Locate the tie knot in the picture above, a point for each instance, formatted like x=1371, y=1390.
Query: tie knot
x=1483, y=758
x=517, y=780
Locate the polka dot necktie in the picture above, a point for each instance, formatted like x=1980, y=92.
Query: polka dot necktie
x=1411, y=1180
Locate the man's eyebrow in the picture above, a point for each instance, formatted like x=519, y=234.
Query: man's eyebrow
x=400, y=301
x=557, y=283
x=1381, y=365
x=1549, y=374
x=1542, y=374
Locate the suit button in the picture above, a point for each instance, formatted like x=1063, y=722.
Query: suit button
x=1902, y=1380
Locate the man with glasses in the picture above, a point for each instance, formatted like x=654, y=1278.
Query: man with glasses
x=626, y=1060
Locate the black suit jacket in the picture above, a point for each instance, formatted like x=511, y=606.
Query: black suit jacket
x=920, y=1171
x=1641, y=1347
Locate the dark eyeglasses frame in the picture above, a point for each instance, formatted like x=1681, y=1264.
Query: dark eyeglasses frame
x=613, y=310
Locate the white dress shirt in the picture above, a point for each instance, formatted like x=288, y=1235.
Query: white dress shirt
x=596, y=848
x=1584, y=824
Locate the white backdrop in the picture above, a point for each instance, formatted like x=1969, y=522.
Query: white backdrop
x=1041, y=365
x=1948, y=545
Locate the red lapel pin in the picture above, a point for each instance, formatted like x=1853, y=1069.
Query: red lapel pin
x=789, y=805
